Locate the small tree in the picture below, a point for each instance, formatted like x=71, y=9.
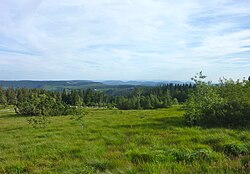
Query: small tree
x=43, y=106
x=11, y=96
x=226, y=104
x=203, y=103
x=3, y=100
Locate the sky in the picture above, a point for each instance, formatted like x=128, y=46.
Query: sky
x=124, y=40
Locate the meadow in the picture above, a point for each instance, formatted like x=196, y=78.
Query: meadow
x=118, y=141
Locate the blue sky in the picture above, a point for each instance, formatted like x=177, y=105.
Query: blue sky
x=125, y=40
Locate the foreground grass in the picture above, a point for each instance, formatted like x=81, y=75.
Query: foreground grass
x=113, y=141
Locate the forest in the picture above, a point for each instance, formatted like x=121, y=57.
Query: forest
x=129, y=98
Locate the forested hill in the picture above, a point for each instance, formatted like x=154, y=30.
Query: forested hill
x=141, y=83
x=50, y=85
x=81, y=84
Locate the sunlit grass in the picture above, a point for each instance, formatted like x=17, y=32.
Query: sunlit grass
x=114, y=141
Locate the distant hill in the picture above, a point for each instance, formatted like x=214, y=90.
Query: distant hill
x=140, y=83
x=50, y=85
x=82, y=84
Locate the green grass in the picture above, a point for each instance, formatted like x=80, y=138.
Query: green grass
x=113, y=141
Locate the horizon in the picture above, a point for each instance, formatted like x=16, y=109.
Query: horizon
x=124, y=40
x=91, y=80
x=129, y=80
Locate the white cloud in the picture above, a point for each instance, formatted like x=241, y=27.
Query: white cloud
x=221, y=45
x=80, y=39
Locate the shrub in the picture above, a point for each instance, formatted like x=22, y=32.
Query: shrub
x=226, y=104
x=44, y=105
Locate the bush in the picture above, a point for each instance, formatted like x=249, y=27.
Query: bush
x=44, y=105
x=226, y=104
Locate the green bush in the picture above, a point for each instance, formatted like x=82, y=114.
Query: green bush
x=44, y=105
x=225, y=104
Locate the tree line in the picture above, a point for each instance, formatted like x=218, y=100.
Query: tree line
x=226, y=103
x=134, y=98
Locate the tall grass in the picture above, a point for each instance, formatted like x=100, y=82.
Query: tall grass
x=113, y=141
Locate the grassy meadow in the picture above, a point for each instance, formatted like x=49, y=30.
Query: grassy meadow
x=115, y=141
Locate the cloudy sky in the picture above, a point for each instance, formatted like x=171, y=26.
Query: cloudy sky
x=126, y=40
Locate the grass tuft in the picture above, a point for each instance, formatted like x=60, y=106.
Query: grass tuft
x=235, y=149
